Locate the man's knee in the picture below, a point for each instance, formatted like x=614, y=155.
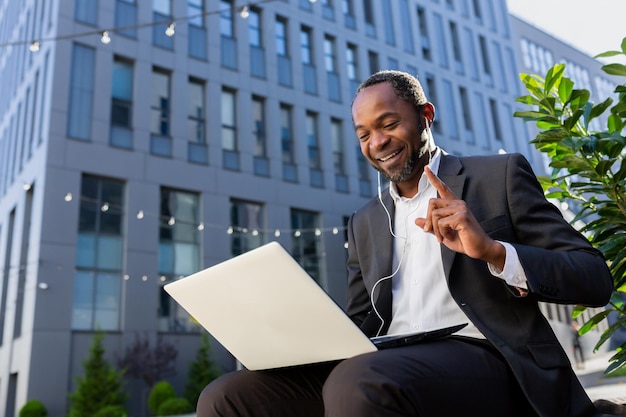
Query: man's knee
x=215, y=399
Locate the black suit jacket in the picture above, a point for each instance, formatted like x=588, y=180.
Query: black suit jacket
x=561, y=267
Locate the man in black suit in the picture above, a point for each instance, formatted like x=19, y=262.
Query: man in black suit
x=452, y=240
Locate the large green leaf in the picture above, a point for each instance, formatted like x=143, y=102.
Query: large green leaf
x=615, y=69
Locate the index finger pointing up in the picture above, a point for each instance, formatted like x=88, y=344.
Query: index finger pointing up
x=442, y=189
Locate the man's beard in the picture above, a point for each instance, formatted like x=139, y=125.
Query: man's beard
x=403, y=173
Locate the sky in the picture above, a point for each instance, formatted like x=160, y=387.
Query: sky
x=590, y=26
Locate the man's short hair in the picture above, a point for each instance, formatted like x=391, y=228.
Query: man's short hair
x=406, y=86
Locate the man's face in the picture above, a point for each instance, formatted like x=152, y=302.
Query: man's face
x=389, y=132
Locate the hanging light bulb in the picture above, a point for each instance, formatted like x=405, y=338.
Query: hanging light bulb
x=297, y=233
x=201, y=227
x=276, y=233
x=335, y=230
x=105, y=38
x=105, y=207
x=144, y=278
x=255, y=232
x=171, y=221
x=245, y=12
x=68, y=197
x=171, y=29
x=34, y=47
x=312, y=1
x=140, y=214
x=229, y=230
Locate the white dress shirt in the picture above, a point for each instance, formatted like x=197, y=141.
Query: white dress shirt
x=421, y=298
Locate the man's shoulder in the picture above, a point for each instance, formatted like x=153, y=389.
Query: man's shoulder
x=486, y=162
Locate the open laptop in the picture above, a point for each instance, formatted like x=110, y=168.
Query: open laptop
x=265, y=309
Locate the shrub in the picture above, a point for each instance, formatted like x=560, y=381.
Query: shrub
x=33, y=408
x=111, y=411
x=161, y=391
x=175, y=406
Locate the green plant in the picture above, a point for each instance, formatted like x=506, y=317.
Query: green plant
x=33, y=408
x=111, y=411
x=174, y=406
x=100, y=386
x=160, y=392
x=589, y=168
x=202, y=370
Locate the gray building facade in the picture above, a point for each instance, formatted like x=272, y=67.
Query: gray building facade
x=144, y=140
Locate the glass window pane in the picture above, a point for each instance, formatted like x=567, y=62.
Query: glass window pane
x=109, y=252
x=86, y=251
x=107, y=309
x=82, y=310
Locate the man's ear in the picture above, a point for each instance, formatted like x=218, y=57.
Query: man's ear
x=428, y=115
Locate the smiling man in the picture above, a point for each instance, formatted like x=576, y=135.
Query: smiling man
x=452, y=240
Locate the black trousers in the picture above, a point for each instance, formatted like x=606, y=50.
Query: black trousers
x=448, y=377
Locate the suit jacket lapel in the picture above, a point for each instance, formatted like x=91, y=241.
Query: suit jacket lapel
x=385, y=252
x=449, y=172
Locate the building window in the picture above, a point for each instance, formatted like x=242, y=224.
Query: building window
x=307, y=244
x=306, y=48
x=246, y=226
x=352, y=62
x=390, y=24
x=456, y=47
x=441, y=40
x=484, y=54
x=330, y=54
x=282, y=52
x=81, y=92
x=314, y=152
x=467, y=116
x=348, y=14
x=339, y=157
x=497, y=129
x=287, y=143
x=195, y=11
x=229, y=129
x=98, y=282
x=121, y=103
x=424, y=38
x=306, y=53
x=478, y=14
x=407, y=27
x=160, y=117
x=179, y=253
x=162, y=32
x=126, y=18
x=196, y=122
x=261, y=164
x=196, y=44
x=257, y=53
x=86, y=11
x=228, y=46
x=227, y=24
x=370, y=22
x=373, y=61
x=449, y=115
x=280, y=33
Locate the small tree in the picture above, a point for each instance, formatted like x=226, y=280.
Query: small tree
x=100, y=386
x=33, y=408
x=202, y=370
x=589, y=167
x=150, y=364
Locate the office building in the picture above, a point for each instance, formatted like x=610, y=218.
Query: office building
x=143, y=140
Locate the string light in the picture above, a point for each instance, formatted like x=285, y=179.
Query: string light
x=105, y=38
x=245, y=13
x=201, y=226
x=171, y=29
x=35, y=44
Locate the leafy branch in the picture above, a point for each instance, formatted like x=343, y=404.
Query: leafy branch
x=585, y=144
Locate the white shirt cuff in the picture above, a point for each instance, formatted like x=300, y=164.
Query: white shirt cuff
x=513, y=273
